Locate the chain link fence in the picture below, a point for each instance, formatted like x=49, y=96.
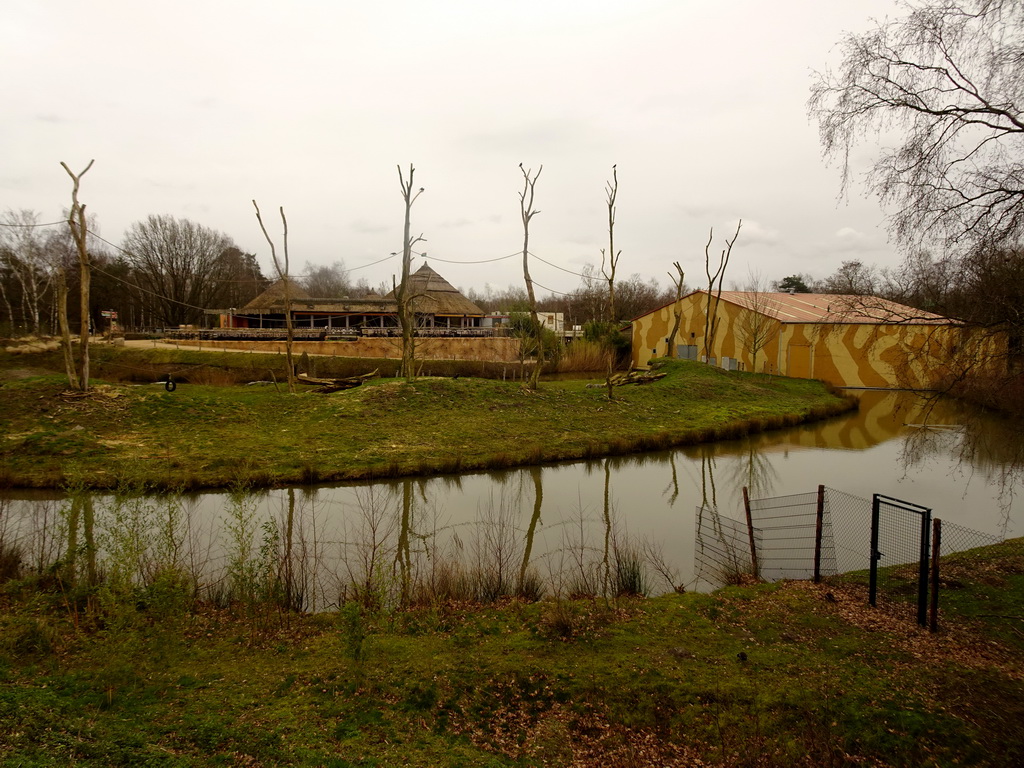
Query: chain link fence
x=830, y=533
x=721, y=549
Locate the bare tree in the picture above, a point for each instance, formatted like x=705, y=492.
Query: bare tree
x=950, y=76
x=608, y=267
x=182, y=264
x=610, y=262
x=326, y=281
x=757, y=328
x=853, y=278
x=527, y=211
x=403, y=295
x=281, y=268
x=677, y=312
x=714, y=295
x=77, y=225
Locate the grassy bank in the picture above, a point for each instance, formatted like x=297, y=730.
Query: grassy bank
x=202, y=435
x=765, y=675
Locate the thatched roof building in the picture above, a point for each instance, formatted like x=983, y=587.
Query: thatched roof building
x=274, y=297
x=436, y=304
x=433, y=295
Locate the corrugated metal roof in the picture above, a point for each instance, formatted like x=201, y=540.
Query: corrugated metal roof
x=830, y=308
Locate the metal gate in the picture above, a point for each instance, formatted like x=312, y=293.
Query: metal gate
x=901, y=545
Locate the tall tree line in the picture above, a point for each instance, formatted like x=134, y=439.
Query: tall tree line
x=165, y=273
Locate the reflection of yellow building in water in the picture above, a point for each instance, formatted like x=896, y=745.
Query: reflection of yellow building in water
x=848, y=341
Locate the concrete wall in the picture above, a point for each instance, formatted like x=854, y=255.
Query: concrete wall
x=498, y=350
x=851, y=355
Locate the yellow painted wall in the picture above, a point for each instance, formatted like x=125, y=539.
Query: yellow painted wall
x=849, y=355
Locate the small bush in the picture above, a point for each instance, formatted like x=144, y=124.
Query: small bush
x=630, y=572
x=11, y=558
x=561, y=620
x=29, y=637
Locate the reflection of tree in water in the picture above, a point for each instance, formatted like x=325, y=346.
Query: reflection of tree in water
x=981, y=442
x=673, y=484
x=754, y=470
x=719, y=552
x=531, y=531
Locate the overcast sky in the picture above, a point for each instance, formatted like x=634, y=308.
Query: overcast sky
x=195, y=108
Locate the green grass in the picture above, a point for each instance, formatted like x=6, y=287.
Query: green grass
x=219, y=436
x=761, y=675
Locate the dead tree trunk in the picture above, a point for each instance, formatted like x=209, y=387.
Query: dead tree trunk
x=283, y=275
x=65, y=330
x=76, y=222
x=527, y=211
x=403, y=296
x=711, y=311
x=612, y=261
x=677, y=313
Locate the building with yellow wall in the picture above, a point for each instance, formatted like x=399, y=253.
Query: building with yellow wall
x=848, y=341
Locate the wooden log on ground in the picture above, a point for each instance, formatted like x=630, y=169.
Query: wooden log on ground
x=327, y=385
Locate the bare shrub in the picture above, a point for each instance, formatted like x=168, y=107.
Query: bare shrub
x=582, y=355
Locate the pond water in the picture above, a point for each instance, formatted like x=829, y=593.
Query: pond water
x=570, y=528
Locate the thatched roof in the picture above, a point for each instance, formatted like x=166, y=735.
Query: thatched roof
x=433, y=295
x=274, y=296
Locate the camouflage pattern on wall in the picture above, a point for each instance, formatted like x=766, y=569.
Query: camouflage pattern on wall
x=909, y=351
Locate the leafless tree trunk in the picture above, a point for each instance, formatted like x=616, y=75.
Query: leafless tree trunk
x=281, y=267
x=76, y=222
x=403, y=297
x=612, y=261
x=715, y=294
x=677, y=312
x=527, y=212
x=7, y=302
x=65, y=330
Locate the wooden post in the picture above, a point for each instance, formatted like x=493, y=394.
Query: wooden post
x=750, y=531
x=936, y=548
x=817, y=534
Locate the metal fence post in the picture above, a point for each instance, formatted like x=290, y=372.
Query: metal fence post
x=817, y=533
x=750, y=530
x=936, y=548
x=875, y=554
x=922, y=577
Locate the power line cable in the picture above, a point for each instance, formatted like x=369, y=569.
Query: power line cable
x=550, y=290
x=578, y=274
x=30, y=226
x=371, y=264
x=480, y=261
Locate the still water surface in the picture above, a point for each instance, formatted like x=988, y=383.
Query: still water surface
x=561, y=520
